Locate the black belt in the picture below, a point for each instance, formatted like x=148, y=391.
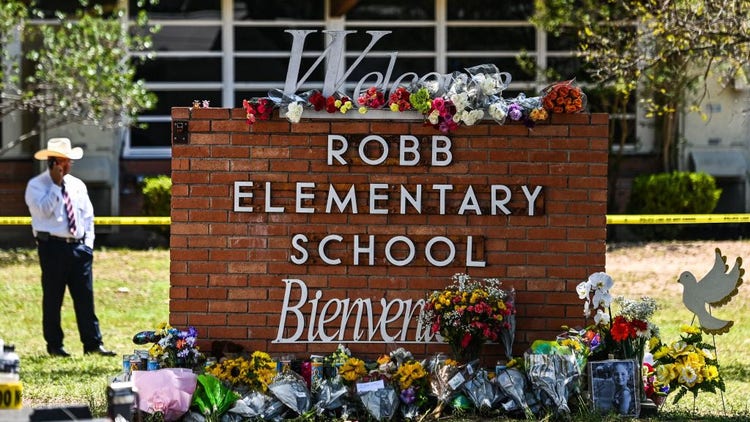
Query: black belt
x=44, y=236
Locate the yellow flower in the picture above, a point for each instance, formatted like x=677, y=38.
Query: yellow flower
x=661, y=352
x=690, y=329
x=665, y=373
x=362, y=110
x=383, y=359
x=352, y=369
x=156, y=350
x=689, y=376
x=394, y=107
x=710, y=372
x=653, y=342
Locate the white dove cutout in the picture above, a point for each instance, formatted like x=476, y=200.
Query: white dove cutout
x=716, y=289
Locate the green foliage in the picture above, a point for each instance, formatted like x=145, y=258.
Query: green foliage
x=81, y=67
x=677, y=192
x=667, y=51
x=157, y=195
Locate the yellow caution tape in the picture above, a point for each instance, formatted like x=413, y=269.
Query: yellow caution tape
x=10, y=395
x=678, y=218
x=104, y=221
x=611, y=219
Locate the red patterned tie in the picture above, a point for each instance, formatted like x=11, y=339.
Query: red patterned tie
x=69, y=210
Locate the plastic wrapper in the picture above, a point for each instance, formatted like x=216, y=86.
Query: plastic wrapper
x=446, y=380
x=212, y=397
x=489, y=82
x=381, y=404
x=168, y=391
x=330, y=395
x=251, y=406
x=554, y=372
x=498, y=110
x=482, y=393
x=513, y=384
x=291, y=390
x=508, y=334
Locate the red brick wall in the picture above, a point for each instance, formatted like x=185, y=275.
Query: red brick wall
x=227, y=267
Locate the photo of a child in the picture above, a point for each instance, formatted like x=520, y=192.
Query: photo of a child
x=613, y=386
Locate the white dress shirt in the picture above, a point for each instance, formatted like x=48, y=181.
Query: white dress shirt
x=47, y=207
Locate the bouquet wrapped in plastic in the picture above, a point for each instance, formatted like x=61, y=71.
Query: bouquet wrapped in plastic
x=563, y=97
x=291, y=389
x=552, y=369
x=446, y=379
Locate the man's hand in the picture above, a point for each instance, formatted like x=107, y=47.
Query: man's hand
x=57, y=172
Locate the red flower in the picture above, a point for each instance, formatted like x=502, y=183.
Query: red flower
x=621, y=329
x=466, y=340
x=318, y=101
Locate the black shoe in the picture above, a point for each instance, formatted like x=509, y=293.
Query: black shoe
x=58, y=352
x=100, y=350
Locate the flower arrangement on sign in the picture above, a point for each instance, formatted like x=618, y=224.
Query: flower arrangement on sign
x=563, y=97
x=252, y=373
x=623, y=336
x=468, y=313
x=686, y=365
x=460, y=99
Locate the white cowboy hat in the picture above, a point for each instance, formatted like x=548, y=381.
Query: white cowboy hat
x=59, y=147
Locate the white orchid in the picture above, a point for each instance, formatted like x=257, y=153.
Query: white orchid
x=601, y=317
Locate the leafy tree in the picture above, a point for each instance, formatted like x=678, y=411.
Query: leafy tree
x=77, y=69
x=667, y=49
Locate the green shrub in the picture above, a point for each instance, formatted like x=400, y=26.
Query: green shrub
x=679, y=192
x=157, y=196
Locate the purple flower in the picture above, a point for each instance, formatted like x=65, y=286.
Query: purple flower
x=515, y=112
x=408, y=396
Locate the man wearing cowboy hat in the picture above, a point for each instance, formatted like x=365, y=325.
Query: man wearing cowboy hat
x=62, y=220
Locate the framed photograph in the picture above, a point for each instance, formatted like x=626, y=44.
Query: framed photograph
x=613, y=386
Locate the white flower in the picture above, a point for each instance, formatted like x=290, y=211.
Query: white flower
x=294, y=112
x=498, y=111
x=433, y=117
x=470, y=117
x=460, y=101
x=601, y=317
x=601, y=299
x=601, y=281
x=583, y=289
x=586, y=310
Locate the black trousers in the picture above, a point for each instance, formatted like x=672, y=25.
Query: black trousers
x=68, y=265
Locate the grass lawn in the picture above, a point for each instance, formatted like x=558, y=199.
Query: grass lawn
x=132, y=291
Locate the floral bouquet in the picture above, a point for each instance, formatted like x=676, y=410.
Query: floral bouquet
x=552, y=369
x=399, y=99
x=260, y=109
x=246, y=374
x=372, y=98
x=626, y=335
x=412, y=382
x=175, y=348
x=563, y=97
x=687, y=365
x=468, y=313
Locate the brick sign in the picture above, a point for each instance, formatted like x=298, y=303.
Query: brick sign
x=292, y=238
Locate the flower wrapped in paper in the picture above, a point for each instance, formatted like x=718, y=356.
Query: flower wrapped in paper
x=552, y=370
x=165, y=391
x=251, y=406
x=564, y=97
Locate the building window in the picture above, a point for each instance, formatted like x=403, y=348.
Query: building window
x=229, y=50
